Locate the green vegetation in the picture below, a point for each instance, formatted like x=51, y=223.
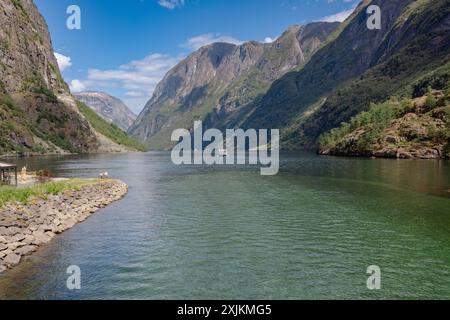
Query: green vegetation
x=23, y=195
x=51, y=97
x=59, y=77
x=431, y=102
x=17, y=131
x=18, y=5
x=414, y=8
x=109, y=130
x=374, y=121
x=351, y=74
x=426, y=119
x=12, y=119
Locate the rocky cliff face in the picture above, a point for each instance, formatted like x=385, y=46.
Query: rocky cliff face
x=293, y=49
x=37, y=112
x=26, y=55
x=220, y=78
x=309, y=81
x=356, y=67
x=193, y=82
x=109, y=108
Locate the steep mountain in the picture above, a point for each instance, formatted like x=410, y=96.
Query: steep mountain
x=355, y=68
x=109, y=108
x=306, y=93
x=37, y=112
x=215, y=81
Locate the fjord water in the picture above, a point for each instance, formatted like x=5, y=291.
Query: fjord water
x=229, y=233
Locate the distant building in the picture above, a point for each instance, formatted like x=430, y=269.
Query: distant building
x=8, y=174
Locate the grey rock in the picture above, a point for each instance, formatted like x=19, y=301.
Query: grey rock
x=9, y=231
x=41, y=238
x=109, y=108
x=14, y=245
x=17, y=238
x=12, y=259
x=26, y=250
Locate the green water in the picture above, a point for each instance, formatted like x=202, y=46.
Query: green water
x=229, y=233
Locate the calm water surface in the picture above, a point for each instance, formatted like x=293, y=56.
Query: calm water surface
x=229, y=233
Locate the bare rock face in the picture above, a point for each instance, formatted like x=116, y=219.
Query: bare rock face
x=356, y=67
x=26, y=54
x=109, y=108
x=37, y=112
x=193, y=81
x=220, y=78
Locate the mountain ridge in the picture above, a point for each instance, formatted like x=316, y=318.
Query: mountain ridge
x=110, y=108
x=347, y=71
x=38, y=114
x=202, y=84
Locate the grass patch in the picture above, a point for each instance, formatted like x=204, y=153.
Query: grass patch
x=109, y=130
x=51, y=97
x=23, y=195
x=373, y=121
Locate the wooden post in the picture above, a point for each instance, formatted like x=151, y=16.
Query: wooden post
x=17, y=183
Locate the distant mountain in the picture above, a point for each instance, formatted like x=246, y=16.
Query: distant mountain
x=108, y=107
x=355, y=68
x=218, y=79
x=37, y=112
x=308, y=82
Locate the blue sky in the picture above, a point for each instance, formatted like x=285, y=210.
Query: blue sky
x=125, y=47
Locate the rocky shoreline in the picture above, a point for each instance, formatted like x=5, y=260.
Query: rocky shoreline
x=23, y=228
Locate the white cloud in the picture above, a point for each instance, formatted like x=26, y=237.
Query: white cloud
x=77, y=86
x=197, y=42
x=338, y=17
x=134, y=94
x=171, y=4
x=269, y=40
x=138, y=78
x=64, y=62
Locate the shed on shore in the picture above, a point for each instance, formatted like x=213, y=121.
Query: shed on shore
x=6, y=171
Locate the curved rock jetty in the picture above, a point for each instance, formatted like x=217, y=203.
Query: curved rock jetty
x=24, y=227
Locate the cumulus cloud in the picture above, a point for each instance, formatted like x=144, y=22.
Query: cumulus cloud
x=64, y=62
x=338, y=17
x=77, y=86
x=171, y=4
x=197, y=42
x=137, y=78
x=269, y=40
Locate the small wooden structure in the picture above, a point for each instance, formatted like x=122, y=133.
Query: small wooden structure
x=6, y=171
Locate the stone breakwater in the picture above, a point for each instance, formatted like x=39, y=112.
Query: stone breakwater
x=23, y=228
